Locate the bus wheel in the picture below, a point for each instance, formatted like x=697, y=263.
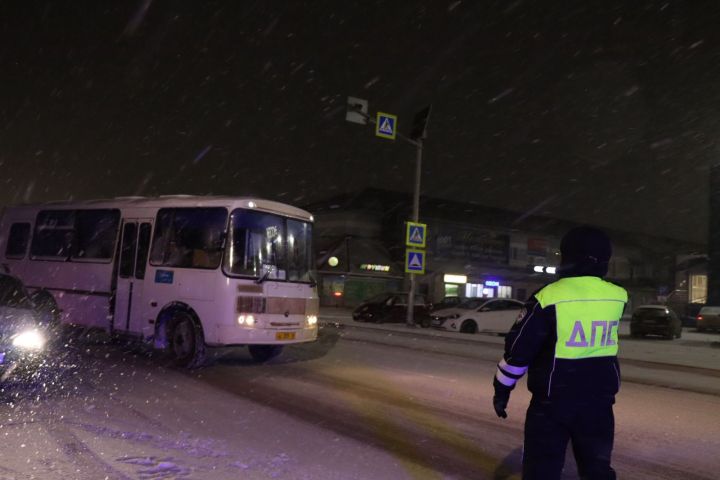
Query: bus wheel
x=263, y=353
x=186, y=343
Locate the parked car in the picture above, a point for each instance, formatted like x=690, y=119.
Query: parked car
x=655, y=320
x=479, y=315
x=392, y=307
x=708, y=319
x=446, y=302
x=25, y=329
x=467, y=304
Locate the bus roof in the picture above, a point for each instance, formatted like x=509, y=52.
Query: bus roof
x=167, y=201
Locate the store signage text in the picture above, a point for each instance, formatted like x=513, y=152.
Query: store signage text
x=375, y=268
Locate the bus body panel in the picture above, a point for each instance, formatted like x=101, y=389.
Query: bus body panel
x=216, y=303
x=85, y=290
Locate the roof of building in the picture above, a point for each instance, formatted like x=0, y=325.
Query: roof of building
x=392, y=204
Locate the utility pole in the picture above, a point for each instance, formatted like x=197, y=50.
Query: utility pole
x=417, y=136
x=357, y=112
x=409, y=319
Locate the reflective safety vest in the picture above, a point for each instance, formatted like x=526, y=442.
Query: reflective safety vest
x=588, y=311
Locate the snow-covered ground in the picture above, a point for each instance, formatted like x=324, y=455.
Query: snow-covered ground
x=700, y=350
x=360, y=403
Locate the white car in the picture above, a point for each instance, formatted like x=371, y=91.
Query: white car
x=495, y=315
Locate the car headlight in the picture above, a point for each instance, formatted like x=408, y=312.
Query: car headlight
x=311, y=320
x=29, y=340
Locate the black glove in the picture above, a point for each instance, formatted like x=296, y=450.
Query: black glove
x=501, y=398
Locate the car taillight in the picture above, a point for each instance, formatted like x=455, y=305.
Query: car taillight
x=699, y=317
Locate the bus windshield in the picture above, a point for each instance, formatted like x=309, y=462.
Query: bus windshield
x=268, y=246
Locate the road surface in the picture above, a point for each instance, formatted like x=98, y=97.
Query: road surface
x=358, y=404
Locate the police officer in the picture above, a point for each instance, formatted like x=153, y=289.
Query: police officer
x=566, y=339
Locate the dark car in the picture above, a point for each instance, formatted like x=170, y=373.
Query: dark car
x=655, y=320
x=25, y=330
x=392, y=307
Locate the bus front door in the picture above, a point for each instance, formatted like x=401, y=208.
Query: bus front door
x=134, y=249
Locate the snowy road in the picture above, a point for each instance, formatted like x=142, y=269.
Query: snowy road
x=358, y=404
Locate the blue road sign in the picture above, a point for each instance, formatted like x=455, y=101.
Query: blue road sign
x=415, y=261
x=415, y=234
x=386, y=125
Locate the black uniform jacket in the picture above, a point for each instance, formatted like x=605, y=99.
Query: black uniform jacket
x=530, y=347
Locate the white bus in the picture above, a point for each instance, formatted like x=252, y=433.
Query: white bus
x=180, y=271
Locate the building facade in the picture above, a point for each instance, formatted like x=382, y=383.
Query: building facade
x=472, y=251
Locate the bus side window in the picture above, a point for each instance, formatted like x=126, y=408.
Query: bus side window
x=142, y=250
x=54, y=235
x=127, y=251
x=96, y=231
x=161, y=239
x=189, y=237
x=18, y=240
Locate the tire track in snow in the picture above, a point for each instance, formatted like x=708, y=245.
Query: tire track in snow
x=85, y=461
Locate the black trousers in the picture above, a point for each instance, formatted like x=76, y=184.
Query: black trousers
x=549, y=425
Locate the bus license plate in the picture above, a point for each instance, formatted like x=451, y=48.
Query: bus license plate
x=285, y=336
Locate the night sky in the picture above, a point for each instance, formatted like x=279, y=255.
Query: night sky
x=596, y=111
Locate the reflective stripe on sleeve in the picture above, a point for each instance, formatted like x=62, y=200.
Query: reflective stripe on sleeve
x=512, y=369
x=504, y=379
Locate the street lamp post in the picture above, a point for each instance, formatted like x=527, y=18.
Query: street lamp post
x=357, y=112
x=409, y=320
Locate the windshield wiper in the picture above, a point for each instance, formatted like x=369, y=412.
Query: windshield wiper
x=263, y=277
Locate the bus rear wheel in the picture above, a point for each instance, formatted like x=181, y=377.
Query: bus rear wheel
x=263, y=353
x=186, y=342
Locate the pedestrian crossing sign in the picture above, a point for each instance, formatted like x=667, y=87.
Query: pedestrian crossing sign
x=386, y=125
x=415, y=261
x=415, y=234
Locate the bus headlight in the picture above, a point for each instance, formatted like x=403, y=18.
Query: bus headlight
x=311, y=320
x=29, y=340
x=246, y=320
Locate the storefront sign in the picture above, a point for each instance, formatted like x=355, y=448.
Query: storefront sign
x=537, y=247
x=449, y=278
x=375, y=268
x=477, y=245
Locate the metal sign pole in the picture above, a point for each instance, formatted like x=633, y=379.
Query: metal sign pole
x=410, y=320
x=386, y=127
